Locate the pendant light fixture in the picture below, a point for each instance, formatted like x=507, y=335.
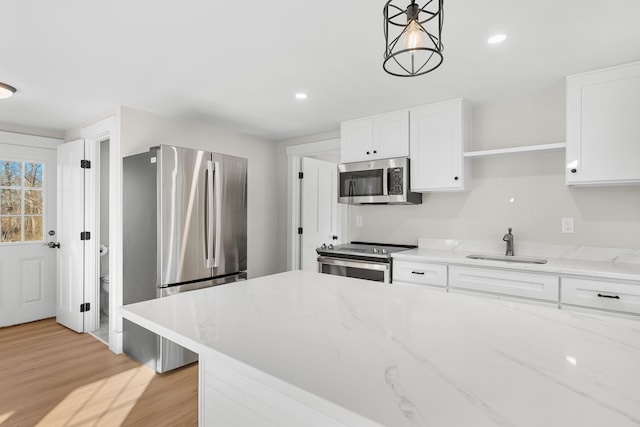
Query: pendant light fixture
x=413, y=37
x=6, y=91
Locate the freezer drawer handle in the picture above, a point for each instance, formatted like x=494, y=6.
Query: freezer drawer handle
x=418, y=272
x=609, y=296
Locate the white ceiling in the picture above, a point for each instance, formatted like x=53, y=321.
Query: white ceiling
x=239, y=64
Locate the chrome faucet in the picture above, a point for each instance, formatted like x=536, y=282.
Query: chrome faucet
x=509, y=239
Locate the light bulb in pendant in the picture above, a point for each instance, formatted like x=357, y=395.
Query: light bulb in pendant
x=413, y=36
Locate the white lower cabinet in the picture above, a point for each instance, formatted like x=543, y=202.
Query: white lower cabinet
x=505, y=298
x=511, y=283
x=601, y=294
x=420, y=273
x=586, y=294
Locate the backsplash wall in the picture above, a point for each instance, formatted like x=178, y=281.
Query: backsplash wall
x=523, y=191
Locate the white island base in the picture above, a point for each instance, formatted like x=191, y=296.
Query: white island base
x=305, y=349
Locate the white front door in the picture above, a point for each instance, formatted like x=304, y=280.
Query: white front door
x=27, y=217
x=77, y=304
x=319, y=209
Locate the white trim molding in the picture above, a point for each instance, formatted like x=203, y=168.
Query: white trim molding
x=109, y=128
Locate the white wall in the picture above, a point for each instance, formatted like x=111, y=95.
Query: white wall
x=140, y=130
x=30, y=130
x=104, y=205
x=604, y=216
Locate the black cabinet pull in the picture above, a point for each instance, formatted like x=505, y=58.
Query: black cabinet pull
x=456, y=178
x=421, y=273
x=334, y=237
x=368, y=153
x=574, y=170
x=375, y=152
x=609, y=296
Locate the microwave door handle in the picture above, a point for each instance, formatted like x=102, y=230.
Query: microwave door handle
x=218, y=197
x=385, y=184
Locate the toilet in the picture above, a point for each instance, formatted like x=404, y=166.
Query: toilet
x=104, y=280
x=104, y=295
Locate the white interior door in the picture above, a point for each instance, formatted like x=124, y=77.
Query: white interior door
x=27, y=215
x=77, y=256
x=319, y=209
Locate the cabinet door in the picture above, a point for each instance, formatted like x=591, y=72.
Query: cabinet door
x=513, y=283
x=439, y=134
x=356, y=140
x=391, y=135
x=603, y=130
x=601, y=294
x=420, y=273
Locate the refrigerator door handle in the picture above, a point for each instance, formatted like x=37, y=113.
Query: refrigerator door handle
x=209, y=260
x=218, y=197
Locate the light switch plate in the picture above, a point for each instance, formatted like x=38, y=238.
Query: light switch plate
x=568, y=225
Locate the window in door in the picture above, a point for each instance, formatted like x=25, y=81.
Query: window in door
x=21, y=201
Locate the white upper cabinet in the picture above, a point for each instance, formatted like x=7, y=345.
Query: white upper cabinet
x=603, y=126
x=439, y=135
x=379, y=137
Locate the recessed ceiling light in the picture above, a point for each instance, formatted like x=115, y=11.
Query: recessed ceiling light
x=497, y=38
x=6, y=91
x=301, y=95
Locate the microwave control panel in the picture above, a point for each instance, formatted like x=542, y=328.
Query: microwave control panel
x=395, y=181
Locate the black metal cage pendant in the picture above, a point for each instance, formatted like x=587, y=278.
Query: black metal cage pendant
x=413, y=37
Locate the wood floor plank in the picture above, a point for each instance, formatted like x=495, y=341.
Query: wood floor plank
x=52, y=376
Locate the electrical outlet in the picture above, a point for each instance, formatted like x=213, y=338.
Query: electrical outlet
x=358, y=220
x=567, y=225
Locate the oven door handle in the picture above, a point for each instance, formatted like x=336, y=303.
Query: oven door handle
x=365, y=265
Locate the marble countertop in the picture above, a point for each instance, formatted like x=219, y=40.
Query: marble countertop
x=609, y=263
x=403, y=355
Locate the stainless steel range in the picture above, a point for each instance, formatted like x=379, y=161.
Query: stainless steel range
x=362, y=260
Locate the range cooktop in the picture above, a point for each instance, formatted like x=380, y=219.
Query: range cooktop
x=363, y=249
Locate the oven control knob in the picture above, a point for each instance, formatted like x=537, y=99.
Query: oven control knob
x=376, y=250
x=324, y=246
x=384, y=251
x=330, y=245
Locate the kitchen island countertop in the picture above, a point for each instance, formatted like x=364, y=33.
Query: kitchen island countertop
x=327, y=350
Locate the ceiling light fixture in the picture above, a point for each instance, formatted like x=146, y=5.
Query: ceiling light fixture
x=301, y=95
x=413, y=37
x=497, y=38
x=6, y=91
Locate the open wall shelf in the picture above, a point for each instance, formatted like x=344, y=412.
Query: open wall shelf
x=516, y=150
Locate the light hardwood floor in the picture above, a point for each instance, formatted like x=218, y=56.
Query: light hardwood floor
x=51, y=376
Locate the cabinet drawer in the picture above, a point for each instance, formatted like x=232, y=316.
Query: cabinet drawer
x=601, y=294
x=420, y=273
x=527, y=285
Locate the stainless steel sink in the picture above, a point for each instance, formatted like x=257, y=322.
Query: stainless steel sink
x=525, y=260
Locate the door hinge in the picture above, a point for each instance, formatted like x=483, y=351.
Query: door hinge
x=85, y=164
x=85, y=307
x=299, y=230
x=85, y=235
x=300, y=175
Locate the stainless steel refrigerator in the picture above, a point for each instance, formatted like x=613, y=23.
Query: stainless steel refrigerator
x=185, y=228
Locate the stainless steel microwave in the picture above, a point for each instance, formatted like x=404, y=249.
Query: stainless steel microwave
x=383, y=181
